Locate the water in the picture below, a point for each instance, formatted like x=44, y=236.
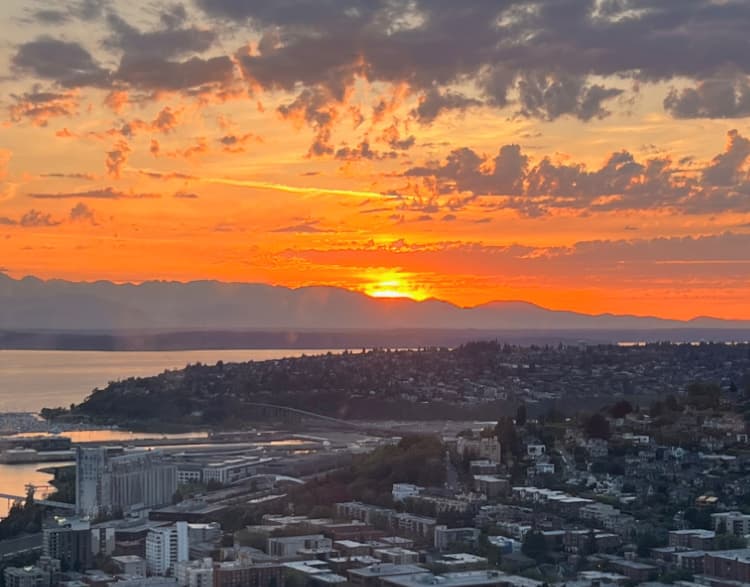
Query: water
x=32, y=380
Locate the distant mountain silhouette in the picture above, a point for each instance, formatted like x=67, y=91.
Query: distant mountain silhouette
x=34, y=304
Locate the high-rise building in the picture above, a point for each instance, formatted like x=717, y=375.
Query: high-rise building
x=166, y=547
x=108, y=484
x=70, y=543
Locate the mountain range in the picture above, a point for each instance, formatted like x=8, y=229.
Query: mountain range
x=57, y=305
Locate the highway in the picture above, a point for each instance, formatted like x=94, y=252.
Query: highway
x=19, y=545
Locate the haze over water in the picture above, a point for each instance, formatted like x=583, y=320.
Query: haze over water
x=32, y=380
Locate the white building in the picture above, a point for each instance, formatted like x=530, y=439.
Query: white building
x=446, y=537
x=165, y=547
x=403, y=491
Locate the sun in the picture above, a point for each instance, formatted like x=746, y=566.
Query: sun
x=394, y=285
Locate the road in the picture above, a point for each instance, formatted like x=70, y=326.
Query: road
x=21, y=544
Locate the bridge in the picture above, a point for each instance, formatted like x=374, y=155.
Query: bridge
x=290, y=413
x=45, y=502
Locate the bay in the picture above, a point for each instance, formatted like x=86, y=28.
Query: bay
x=32, y=380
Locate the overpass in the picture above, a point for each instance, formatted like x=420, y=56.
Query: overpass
x=45, y=502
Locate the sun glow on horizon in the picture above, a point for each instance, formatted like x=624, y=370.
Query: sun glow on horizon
x=394, y=285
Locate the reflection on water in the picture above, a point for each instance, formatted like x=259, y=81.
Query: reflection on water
x=112, y=435
x=32, y=380
x=14, y=478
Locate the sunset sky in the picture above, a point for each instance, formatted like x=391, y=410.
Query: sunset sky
x=590, y=155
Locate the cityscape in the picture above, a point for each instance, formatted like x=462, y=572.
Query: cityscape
x=375, y=293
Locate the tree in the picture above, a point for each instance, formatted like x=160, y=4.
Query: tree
x=620, y=409
x=704, y=396
x=729, y=542
x=521, y=415
x=507, y=436
x=534, y=545
x=597, y=426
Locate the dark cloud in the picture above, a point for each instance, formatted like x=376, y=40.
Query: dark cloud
x=186, y=196
x=434, y=102
x=547, y=49
x=550, y=97
x=166, y=43
x=35, y=219
x=621, y=183
x=157, y=74
x=107, y=193
x=66, y=63
x=713, y=98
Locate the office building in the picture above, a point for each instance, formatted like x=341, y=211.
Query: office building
x=70, y=543
x=166, y=547
x=247, y=574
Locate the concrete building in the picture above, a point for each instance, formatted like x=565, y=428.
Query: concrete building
x=197, y=573
x=291, y=546
x=247, y=574
x=446, y=537
x=396, y=555
x=26, y=577
x=130, y=564
x=375, y=575
x=460, y=579
x=735, y=523
x=731, y=565
x=108, y=484
x=70, y=543
x=695, y=538
x=166, y=547
x=44, y=574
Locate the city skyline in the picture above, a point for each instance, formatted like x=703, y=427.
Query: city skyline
x=580, y=155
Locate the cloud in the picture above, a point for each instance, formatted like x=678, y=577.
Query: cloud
x=55, y=175
x=186, y=195
x=168, y=42
x=82, y=213
x=116, y=158
x=551, y=96
x=35, y=219
x=107, y=193
x=434, y=102
x=235, y=143
x=40, y=106
x=724, y=97
x=64, y=62
x=621, y=183
x=307, y=227
x=153, y=74
x=362, y=151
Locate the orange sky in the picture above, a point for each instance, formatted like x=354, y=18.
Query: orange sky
x=391, y=149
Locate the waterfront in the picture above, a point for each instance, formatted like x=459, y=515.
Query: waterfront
x=32, y=380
